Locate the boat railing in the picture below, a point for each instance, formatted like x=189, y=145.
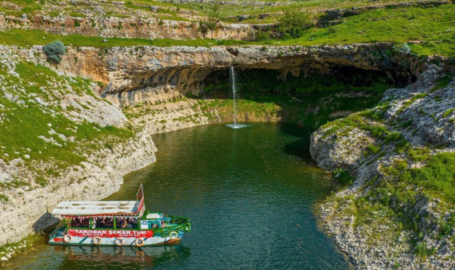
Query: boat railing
x=177, y=224
x=166, y=231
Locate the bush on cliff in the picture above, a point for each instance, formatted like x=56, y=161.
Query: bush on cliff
x=292, y=24
x=54, y=51
x=343, y=177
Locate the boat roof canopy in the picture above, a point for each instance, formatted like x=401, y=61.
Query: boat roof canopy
x=98, y=208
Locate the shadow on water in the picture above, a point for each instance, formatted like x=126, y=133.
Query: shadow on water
x=300, y=147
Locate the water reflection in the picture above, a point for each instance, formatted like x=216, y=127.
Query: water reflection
x=122, y=257
x=96, y=257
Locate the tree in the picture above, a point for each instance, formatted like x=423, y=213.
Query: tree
x=54, y=51
x=292, y=24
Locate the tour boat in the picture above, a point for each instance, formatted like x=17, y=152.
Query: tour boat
x=116, y=223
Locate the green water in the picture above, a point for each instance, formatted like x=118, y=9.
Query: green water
x=250, y=194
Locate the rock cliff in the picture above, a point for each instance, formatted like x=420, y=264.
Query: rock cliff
x=392, y=216
x=86, y=137
x=147, y=90
x=133, y=27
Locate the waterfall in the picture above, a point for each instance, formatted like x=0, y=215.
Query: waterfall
x=252, y=32
x=235, y=125
x=233, y=93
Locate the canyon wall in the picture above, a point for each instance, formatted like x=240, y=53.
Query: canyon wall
x=387, y=218
x=32, y=185
x=156, y=89
x=133, y=27
x=132, y=74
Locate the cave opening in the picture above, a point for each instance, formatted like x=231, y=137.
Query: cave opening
x=304, y=95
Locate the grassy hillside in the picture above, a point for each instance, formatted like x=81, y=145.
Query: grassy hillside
x=39, y=128
x=429, y=29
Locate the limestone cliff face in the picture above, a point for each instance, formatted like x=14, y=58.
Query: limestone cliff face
x=419, y=117
x=132, y=75
x=150, y=85
x=422, y=104
x=135, y=71
x=28, y=210
x=25, y=205
x=160, y=78
x=134, y=27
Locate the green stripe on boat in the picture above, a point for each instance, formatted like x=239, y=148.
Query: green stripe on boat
x=83, y=240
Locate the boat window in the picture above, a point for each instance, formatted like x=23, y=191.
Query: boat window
x=126, y=223
x=104, y=222
x=155, y=224
x=80, y=222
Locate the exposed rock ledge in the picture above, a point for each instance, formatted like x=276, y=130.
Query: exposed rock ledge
x=422, y=114
x=134, y=74
x=134, y=27
x=26, y=209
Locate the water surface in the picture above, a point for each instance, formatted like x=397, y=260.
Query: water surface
x=250, y=194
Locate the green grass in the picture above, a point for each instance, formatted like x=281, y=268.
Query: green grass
x=23, y=123
x=27, y=7
x=394, y=25
x=24, y=244
x=358, y=120
x=448, y=112
x=27, y=38
x=437, y=176
x=419, y=154
x=393, y=137
x=392, y=197
x=372, y=149
x=442, y=82
x=407, y=103
x=403, y=186
x=434, y=26
x=313, y=7
x=3, y=198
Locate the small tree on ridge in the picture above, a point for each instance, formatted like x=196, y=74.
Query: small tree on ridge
x=54, y=51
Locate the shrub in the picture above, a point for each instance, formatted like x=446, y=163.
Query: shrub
x=54, y=51
x=292, y=24
x=262, y=35
x=343, y=177
x=401, y=48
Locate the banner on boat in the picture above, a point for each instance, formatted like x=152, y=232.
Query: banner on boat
x=110, y=233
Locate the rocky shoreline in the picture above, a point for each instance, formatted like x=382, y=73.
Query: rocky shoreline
x=150, y=85
x=370, y=228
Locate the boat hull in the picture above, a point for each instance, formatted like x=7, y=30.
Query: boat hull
x=58, y=238
x=153, y=241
